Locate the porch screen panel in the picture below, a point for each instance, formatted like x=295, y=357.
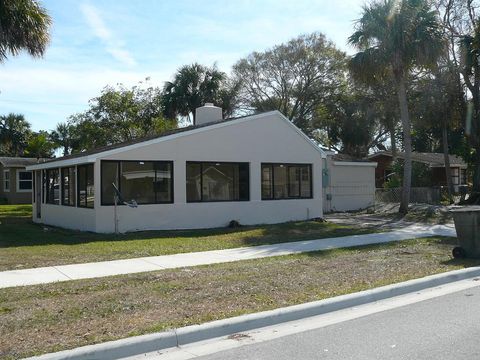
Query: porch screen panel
x=146, y=182
x=68, y=186
x=110, y=175
x=86, y=189
x=52, y=186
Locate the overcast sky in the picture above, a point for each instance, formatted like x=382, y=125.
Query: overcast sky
x=105, y=42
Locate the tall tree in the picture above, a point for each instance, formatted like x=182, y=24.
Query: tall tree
x=118, y=114
x=295, y=78
x=24, y=25
x=63, y=137
x=392, y=38
x=351, y=122
x=14, y=133
x=193, y=86
x=39, y=145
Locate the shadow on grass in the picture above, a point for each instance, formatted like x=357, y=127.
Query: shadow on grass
x=17, y=232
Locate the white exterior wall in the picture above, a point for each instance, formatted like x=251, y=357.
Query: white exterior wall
x=264, y=139
x=351, y=186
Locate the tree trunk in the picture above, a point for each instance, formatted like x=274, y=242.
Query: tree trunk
x=407, y=143
x=476, y=172
x=393, y=143
x=448, y=172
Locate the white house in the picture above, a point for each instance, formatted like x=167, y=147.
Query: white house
x=253, y=169
x=348, y=183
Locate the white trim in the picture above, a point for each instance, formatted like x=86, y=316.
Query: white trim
x=354, y=163
x=300, y=132
x=93, y=157
x=4, y=181
x=17, y=181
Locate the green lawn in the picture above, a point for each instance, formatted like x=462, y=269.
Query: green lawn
x=52, y=317
x=24, y=244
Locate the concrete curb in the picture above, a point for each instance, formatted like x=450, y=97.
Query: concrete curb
x=190, y=334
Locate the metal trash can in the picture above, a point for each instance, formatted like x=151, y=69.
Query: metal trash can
x=467, y=225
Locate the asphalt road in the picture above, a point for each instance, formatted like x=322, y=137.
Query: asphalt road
x=446, y=327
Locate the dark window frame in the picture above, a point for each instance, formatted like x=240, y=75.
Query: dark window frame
x=86, y=166
x=272, y=181
x=171, y=201
x=201, y=180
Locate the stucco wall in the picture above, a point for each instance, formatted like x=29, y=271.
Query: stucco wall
x=264, y=139
x=351, y=187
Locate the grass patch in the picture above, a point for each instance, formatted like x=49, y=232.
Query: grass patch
x=52, y=317
x=24, y=244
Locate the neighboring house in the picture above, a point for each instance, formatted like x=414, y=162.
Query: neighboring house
x=348, y=183
x=15, y=181
x=256, y=169
x=433, y=160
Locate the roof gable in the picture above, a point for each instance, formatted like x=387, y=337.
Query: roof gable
x=91, y=156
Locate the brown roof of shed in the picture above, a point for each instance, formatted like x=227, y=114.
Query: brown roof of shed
x=432, y=159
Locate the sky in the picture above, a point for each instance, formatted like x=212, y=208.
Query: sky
x=107, y=42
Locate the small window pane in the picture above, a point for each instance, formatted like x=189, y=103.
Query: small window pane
x=294, y=181
x=306, y=182
x=6, y=180
x=280, y=185
x=267, y=190
x=163, y=182
x=25, y=175
x=194, y=182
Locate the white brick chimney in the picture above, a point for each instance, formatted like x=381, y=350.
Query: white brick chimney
x=208, y=113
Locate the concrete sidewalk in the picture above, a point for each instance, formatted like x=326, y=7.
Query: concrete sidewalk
x=51, y=274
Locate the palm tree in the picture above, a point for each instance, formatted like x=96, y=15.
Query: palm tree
x=193, y=85
x=62, y=137
x=14, y=132
x=24, y=25
x=393, y=37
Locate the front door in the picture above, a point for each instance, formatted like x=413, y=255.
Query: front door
x=38, y=193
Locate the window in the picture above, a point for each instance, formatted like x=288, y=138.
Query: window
x=210, y=181
x=463, y=176
x=286, y=181
x=455, y=175
x=146, y=182
x=68, y=186
x=52, y=186
x=6, y=180
x=24, y=181
x=85, y=186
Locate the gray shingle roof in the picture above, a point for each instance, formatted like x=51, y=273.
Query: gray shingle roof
x=143, y=139
x=7, y=161
x=432, y=159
